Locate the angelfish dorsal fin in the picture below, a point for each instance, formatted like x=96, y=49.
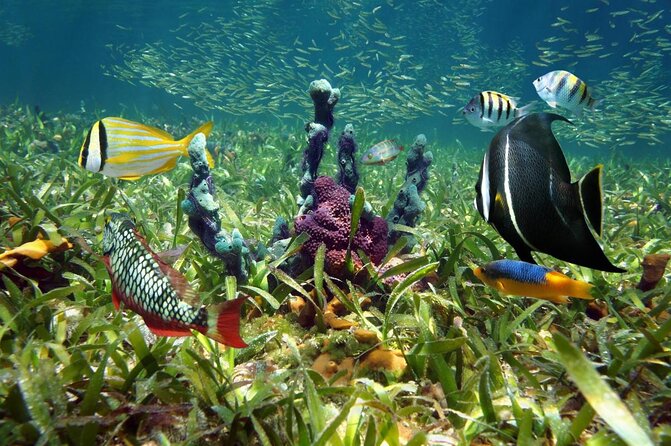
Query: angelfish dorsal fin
x=591, y=198
x=535, y=131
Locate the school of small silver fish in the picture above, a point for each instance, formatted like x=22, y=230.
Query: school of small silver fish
x=383, y=55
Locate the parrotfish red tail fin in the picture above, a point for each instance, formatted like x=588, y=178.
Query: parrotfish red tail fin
x=225, y=323
x=521, y=111
x=205, y=129
x=591, y=198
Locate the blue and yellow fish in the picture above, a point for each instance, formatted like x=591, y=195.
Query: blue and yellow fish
x=519, y=278
x=120, y=148
x=157, y=292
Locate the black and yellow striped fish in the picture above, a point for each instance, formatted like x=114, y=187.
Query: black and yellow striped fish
x=564, y=89
x=120, y=148
x=490, y=109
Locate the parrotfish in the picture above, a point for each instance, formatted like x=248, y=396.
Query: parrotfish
x=382, y=153
x=492, y=109
x=157, y=292
x=518, y=278
x=564, y=89
x=117, y=147
x=524, y=191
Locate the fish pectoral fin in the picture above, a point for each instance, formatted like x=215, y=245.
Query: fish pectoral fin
x=552, y=104
x=500, y=286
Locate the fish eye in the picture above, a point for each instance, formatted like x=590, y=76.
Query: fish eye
x=472, y=108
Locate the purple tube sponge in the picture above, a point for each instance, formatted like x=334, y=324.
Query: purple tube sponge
x=318, y=135
x=348, y=176
x=324, y=98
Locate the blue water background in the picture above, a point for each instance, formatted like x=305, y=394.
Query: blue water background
x=59, y=66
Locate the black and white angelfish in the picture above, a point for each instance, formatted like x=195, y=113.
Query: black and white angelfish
x=525, y=192
x=490, y=109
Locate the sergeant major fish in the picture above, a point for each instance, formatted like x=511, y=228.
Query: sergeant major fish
x=524, y=191
x=518, y=278
x=154, y=290
x=382, y=153
x=492, y=109
x=564, y=89
x=117, y=147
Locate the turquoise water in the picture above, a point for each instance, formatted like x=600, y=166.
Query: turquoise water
x=404, y=67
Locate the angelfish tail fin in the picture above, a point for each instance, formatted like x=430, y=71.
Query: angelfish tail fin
x=591, y=198
x=205, y=129
x=224, y=323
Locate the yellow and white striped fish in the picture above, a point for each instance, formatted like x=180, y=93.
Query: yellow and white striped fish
x=564, y=89
x=120, y=148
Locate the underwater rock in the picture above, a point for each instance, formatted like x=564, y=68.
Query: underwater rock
x=348, y=176
x=330, y=222
x=324, y=98
x=653, y=270
x=204, y=221
x=408, y=206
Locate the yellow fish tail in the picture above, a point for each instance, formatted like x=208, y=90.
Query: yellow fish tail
x=570, y=287
x=206, y=129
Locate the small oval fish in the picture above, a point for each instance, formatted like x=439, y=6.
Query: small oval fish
x=519, y=278
x=154, y=290
x=492, y=109
x=382, y=153
x=564, y=89
x=117, y=147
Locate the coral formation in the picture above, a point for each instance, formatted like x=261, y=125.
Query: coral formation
x=408, y=206
x=329, y=223
x=348, y=176
x=204, y=221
